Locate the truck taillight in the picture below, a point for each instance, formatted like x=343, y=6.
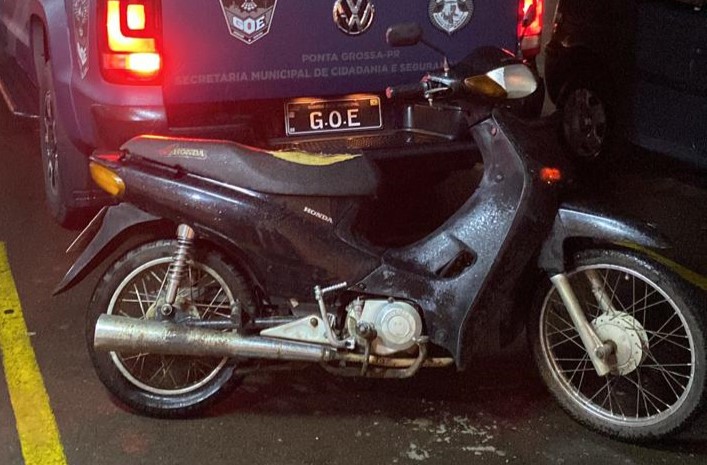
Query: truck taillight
x=530, y=26
x=131, y=45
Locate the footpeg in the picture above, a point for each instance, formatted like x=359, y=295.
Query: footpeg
x=331, y=337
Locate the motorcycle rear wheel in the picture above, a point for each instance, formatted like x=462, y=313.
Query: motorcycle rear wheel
x=659, y=333
x=162, y=385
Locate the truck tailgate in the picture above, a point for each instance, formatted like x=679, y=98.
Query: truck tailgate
x=224, y=50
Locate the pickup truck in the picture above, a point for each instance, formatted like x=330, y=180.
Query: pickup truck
x=634, y=70
x=309, y=75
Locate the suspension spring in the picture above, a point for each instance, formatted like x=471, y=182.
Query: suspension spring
x=178, y=267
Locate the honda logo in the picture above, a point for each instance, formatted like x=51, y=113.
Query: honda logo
x=353, y=17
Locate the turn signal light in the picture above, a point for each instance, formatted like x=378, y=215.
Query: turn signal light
x=484, y=85
x=106, y=179
x=550, y=175
x=131, y=43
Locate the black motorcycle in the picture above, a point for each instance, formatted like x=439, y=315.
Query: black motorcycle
x=273, y=261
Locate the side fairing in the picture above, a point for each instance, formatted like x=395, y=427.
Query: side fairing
x=498, y=230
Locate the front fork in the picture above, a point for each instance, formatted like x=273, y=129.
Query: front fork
x=598, y=350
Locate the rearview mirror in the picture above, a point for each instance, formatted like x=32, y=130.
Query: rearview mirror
x=509, y=82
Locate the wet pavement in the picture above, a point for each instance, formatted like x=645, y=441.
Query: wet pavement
x=498, y=412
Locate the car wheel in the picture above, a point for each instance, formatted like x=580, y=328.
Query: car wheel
x=57, y=155
x=586, y=121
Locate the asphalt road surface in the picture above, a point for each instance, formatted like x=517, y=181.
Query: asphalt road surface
x=496, y=413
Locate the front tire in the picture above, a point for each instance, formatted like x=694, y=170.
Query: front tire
x=659, y=332
x=157, y=385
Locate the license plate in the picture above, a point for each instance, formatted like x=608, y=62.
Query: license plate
x=321, y=116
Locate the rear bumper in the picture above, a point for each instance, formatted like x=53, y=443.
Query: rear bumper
x=114, y=125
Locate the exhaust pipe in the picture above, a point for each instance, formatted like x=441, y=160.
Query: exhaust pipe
x=119, y=333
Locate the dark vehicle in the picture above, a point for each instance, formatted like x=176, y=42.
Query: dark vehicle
x=633, y=70
x=174, y=323
x=266, y=72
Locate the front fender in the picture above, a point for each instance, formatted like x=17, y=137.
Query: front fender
x=574, y=221
x=117, y=221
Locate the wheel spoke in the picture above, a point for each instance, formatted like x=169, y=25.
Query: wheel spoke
x=617, y=401
x=657, y=339
x=641, y=395
x=142, y=307
x=614, y=297
x=583, y=365
x=562, y=319
x=668, y=375
x=665, y=324
x=163, y=281
x=573, y=340
x=647, y=306
x=648, y=395
x=596, y=394
x=208, y=309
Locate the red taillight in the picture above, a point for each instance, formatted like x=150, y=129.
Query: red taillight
x=130, y=51
x=530, y=26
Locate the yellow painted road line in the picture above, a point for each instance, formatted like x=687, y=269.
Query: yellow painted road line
x=36, y=426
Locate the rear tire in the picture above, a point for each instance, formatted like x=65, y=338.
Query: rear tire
x=57, y=155
x=156, y=385
x=664, y=331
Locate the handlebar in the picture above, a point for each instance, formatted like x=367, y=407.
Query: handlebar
x=414, y=91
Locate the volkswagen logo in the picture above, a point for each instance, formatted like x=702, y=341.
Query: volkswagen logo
x=354, y=17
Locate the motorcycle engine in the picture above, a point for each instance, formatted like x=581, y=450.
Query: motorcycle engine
x=397, y=325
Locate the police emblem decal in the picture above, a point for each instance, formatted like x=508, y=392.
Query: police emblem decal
x=81, y=31
x=451, y=15
x=248, y=20
x=354, y=17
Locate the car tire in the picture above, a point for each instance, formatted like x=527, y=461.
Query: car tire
x=58, y=156
x=587, y=119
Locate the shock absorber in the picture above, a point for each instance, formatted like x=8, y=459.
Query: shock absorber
x=178, y=267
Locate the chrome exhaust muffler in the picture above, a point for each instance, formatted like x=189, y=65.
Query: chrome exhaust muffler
x=123, y=334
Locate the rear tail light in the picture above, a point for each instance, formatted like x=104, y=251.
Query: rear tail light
x=131, y=41
x=530, y=26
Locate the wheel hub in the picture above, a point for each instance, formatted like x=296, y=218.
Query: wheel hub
x=585, y=122
x=627, y=335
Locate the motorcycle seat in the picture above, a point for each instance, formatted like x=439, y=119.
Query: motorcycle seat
x=269, y=172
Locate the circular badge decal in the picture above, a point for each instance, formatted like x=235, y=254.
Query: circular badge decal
x=451, y=15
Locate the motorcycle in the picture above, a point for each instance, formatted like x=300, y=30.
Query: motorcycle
x=272, y=263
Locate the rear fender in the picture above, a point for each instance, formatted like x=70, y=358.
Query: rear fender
x=575, y=222
x=118, y=221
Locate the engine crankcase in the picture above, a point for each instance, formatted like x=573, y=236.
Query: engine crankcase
x=397, y=324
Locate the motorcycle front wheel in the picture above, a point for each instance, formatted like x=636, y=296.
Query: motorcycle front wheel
x=165, y=385
x=657, y=382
